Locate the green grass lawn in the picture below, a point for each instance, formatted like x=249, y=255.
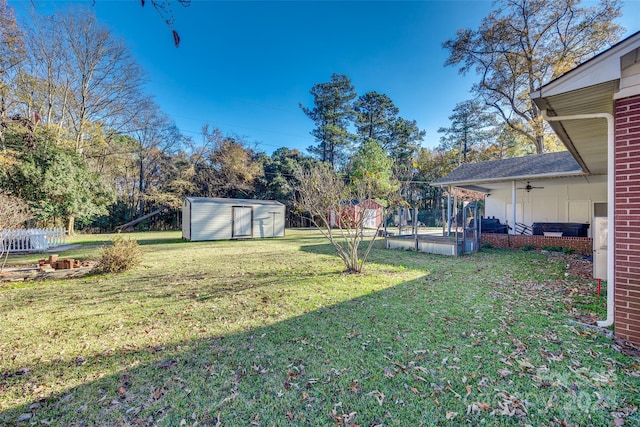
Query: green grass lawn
x=273, y=333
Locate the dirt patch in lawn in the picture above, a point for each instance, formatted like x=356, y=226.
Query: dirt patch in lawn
x=19, y=274
x=580, y=268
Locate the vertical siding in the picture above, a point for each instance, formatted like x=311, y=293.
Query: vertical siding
x=627, y=219
x=280, y=220
x=567, y=200
x=211, y=221
x=186, y=220
x=263, y=221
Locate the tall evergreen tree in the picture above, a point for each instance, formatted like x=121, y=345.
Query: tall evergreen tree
x=375, y=115
x=472, y=128
x=331, y=114
x=377, y=119
x=405, y=145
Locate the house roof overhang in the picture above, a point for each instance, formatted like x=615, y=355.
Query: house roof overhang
x=487, y=176
x=490, y=186
x=590, y=88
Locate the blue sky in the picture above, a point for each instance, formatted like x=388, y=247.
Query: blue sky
x=245, y=66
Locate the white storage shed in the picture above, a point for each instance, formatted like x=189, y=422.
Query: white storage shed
x=205, y=218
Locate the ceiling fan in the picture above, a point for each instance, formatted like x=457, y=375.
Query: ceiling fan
x=528, y=187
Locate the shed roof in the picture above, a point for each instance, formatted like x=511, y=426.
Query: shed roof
x=560, y=164
x=222, y=200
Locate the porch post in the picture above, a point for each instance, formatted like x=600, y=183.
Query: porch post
x=449, y=211
x=455, y=209
x=513, y=208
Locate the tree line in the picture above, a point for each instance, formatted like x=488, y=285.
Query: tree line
x=82, y=143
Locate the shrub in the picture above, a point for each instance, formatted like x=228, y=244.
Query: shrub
x=567, y=251
x=527, y=248
x=122, y=255
x=486, y=245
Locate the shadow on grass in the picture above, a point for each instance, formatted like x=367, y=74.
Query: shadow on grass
x=381, y=358
x=411, y=354
x=265, y=372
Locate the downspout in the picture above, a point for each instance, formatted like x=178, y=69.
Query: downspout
x=610, y=203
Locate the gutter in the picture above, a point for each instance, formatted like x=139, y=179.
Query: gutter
x=569, y=174
x=610, y=203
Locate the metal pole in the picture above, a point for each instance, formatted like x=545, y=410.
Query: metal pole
x=513, y=207
x=464, y=229
x=449, y=212
x=415, y=227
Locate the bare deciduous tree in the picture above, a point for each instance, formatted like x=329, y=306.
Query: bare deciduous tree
x=81, y=79
x=523, y=44
x=323, y=195
x=11, y=55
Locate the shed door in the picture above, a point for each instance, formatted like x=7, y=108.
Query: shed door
x=369, y=220
x=242, y=221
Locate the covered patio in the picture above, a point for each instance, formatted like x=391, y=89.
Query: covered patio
x=528, y=193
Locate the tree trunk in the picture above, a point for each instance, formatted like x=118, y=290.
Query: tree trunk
x=70, y=225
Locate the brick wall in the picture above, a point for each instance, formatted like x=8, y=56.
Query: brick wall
x=627, y=219
x=580, y=245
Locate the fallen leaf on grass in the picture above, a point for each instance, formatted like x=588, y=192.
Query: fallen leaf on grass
x=510, y=406
x=388, y=373
x=307, y=398
x=448, y=387
x=344, y=419
x=377, y=395
x=166, y=364
x=260, y=369
x=158, y=393
x=401, y=366
x=525, y=365
x=228, y=398
x=419, y=378
x=504, y=373
x=477, y=407
x=450, y=415
x=24, y=417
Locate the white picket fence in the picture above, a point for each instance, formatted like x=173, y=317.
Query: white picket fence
x=31, y=239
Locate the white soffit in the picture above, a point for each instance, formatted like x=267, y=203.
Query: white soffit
x=601, y=68
x=586, y=139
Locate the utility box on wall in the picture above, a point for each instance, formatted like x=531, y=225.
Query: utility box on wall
x=600, y=247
